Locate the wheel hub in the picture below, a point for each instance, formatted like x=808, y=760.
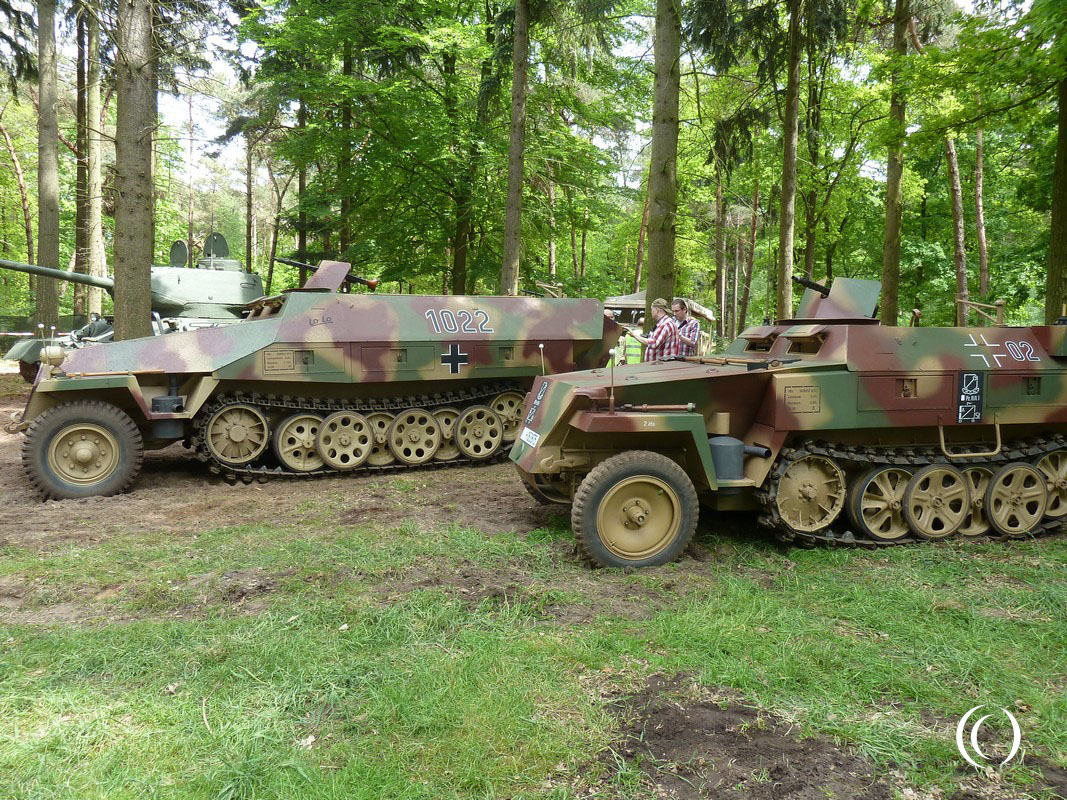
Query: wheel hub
x=808, y=491
x=237, y=433
x=636, y=512
x=83, y=454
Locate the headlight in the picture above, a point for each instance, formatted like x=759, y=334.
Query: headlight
x=53, y=354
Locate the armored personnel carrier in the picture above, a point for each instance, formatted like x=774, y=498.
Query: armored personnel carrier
x=311, y=382
x=835, y=428
x=215, y=292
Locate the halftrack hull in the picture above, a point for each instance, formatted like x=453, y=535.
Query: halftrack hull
x=795, y=420
x=250, y=397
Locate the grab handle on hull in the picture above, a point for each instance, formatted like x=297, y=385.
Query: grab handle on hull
x=994, y=452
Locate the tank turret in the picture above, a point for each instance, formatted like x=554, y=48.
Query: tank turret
x=215, y=291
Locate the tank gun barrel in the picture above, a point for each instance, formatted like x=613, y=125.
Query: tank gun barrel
x=59, y=274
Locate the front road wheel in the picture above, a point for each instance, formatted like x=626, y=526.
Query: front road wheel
x=636, y=509
x=82, y=449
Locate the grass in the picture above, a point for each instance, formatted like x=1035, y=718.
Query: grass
x=304, y=661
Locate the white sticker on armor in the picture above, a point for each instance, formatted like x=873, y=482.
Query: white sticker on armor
x=530, y=437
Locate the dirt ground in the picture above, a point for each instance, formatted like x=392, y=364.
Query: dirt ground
x=175, y=493
x=692, y=743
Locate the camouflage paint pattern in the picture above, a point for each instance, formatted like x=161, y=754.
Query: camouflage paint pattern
x=831, y=369
x=316, y=342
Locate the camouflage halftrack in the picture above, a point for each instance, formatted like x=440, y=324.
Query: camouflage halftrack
x=311, y=382
x=836, y=429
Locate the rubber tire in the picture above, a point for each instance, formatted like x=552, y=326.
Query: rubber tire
x=39, y=435
x=606, y=475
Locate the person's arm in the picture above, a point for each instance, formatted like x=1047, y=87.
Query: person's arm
x=696, y=335
x=642, y=339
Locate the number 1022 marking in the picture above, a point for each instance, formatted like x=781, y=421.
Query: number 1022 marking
x=445, y=321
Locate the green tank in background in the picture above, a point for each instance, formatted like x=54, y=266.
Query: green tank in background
x=216, y=291
x=313, y=381
x=836, y=429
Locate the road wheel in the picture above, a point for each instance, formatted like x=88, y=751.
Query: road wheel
x=478, y=432
x=82, y=449
x=1054, y=467
x=1016, y=498
x=414, y=436
x=345, y=440
x=876, y=502
x=508, y=406
x=636, y=509
x=977, y=521
x=811, y=494
x=237, y=434
x=294, y=443
x=936, y=501
x=380, y=454
x=447, y=450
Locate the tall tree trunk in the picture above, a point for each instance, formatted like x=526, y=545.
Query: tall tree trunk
x=663, y=169
x=133, y=170
x=734, y=287
x=585, y=233
x=574, y=230
x=249, y=146
x=93, y=148
x=279, y=199
x=81, y=192
x=958, y=244
x=720, y=254
x=20, y=179
x=509, y=271
x=301, y=191
x=192, y=190
x=551, y=220
x=641, y=245
x=894, y=196
x=787, y=218
x=1056, y=280
x=47, y=312
x=344, y=162
x=979, y=216
x=751, y=263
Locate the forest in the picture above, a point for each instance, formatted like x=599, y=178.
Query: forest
x=708, y=148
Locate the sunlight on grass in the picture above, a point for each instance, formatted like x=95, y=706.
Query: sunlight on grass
x=299, y=661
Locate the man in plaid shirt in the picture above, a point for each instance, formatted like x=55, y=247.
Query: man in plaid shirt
x=663, y=341
x=688, y=328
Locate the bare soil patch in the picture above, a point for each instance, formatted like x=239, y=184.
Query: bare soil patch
x=568, y=599
x=717, y=747
x=177, y=495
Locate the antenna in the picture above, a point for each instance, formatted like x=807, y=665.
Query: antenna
x=52, y=331
x=541, y=347
x=611, y=391
x=40, y=330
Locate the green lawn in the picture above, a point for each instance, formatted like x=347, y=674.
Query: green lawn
x=363, y=662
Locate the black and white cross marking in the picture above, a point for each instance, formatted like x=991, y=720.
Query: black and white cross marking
x=454, y=359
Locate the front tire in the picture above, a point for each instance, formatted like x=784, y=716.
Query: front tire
x=82, y=449
x=636, y=509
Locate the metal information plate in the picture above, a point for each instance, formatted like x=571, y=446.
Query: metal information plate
x=969, y=396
